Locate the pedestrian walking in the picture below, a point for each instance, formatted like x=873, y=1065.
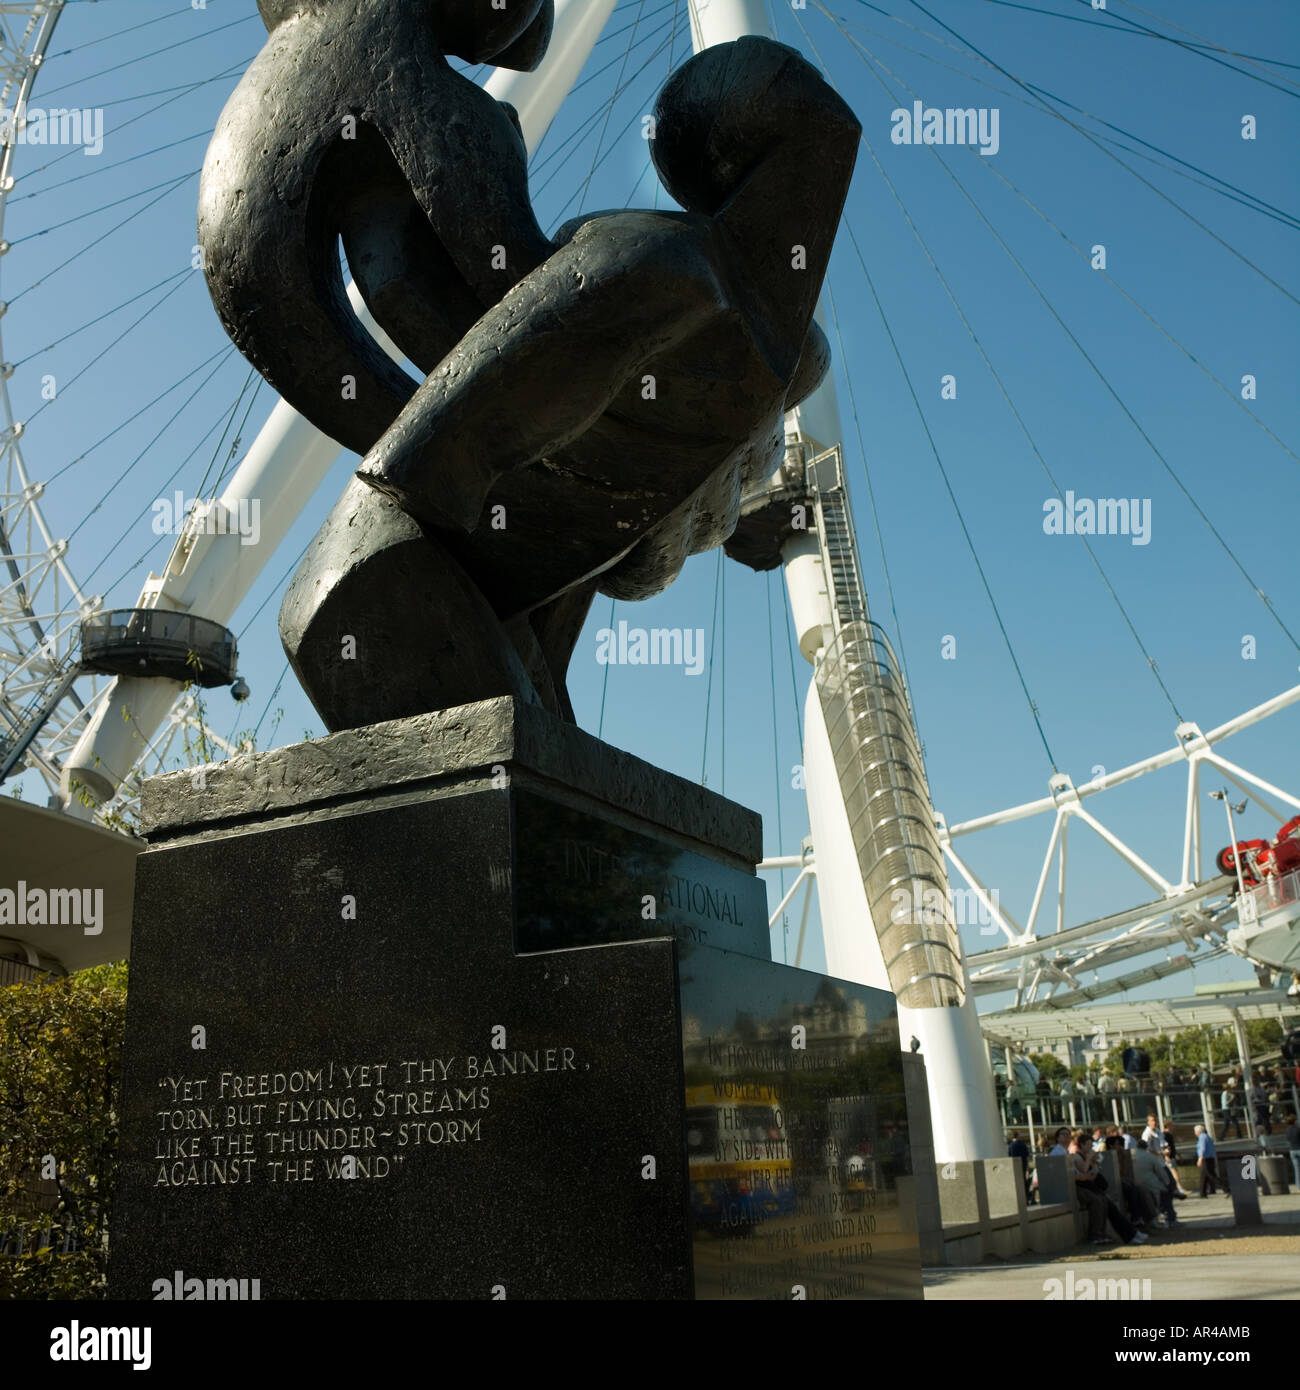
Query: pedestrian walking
x=1207, y=1162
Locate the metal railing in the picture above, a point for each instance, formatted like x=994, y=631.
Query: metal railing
x=1281, y=890
x=159, y=642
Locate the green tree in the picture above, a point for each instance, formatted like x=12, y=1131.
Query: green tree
x=1050, y=1067
x=60, y=1068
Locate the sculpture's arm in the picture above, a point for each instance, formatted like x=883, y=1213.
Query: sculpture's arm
x=542, y=365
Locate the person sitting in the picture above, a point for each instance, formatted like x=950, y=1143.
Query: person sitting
x=1090, y=1188
x=1155, y=1188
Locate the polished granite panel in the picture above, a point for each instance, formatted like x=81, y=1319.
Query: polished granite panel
x=583, y=879
x=796, y=1134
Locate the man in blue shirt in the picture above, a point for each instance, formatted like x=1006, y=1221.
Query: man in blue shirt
x=1206, y=1162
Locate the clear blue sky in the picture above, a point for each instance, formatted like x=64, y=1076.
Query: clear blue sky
x=96, y=231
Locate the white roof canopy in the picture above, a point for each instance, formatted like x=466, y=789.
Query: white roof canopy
x=1137, y=1019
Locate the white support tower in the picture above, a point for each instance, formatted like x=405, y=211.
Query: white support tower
x=874, y=831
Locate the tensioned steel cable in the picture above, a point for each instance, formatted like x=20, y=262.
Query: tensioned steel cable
x=1264, y=598
x=202, y=489
x=588, y=125
x=604, y=685
x=212, y=463
x=647, y=170
x=1208, y=43
x=627, y=127
x=103, y=207
x=257, y=728
x=1279, y=214
x=177, y=94
x=794, y=684
x=99, y=356
x=80, y=82
x=239, y=436
x=276, y=587
x=1140, y=31
x=672, y=61
x=776, y=732
x=108, y=313
x=134, y=566
x=1121, y=19
x=540, y=160
x=943, y=472
x=105, y=168
x=1002, y=387
x=162, y=395
x=1213, y=182
x=1146, y=183
x=90, y=245
x=609, y=106
x=119, y=33
x=122, y=476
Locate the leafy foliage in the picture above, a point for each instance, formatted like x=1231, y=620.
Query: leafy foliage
x=60, y=1067
x=1188, y=1048
x=1050, y=1067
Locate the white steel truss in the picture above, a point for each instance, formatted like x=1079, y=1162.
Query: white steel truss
x=1187, y=910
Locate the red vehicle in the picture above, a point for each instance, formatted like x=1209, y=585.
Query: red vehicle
x=1261, y=859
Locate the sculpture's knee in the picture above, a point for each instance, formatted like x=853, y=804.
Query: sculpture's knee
x=379, y=622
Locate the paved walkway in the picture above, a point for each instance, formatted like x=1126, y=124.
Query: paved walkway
x=1217, y=1278
x=1206, y=1256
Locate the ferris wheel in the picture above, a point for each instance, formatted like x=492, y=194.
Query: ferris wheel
x=79, y=718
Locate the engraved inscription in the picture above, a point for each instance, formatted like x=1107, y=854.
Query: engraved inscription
x=334, y=1119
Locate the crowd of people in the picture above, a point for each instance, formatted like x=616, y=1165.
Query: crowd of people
x=1155, y=1186
x=1268, y=1095
x=1266, y=1092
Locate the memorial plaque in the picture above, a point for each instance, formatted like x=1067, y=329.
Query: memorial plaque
x=584, y=880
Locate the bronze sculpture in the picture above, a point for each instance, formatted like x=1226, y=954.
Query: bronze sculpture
x=593, y=404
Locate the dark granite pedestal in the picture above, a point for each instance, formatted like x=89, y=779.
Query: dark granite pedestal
x=474, y=1006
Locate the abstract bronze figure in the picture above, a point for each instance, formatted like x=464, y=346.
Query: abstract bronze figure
x=593, y=405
